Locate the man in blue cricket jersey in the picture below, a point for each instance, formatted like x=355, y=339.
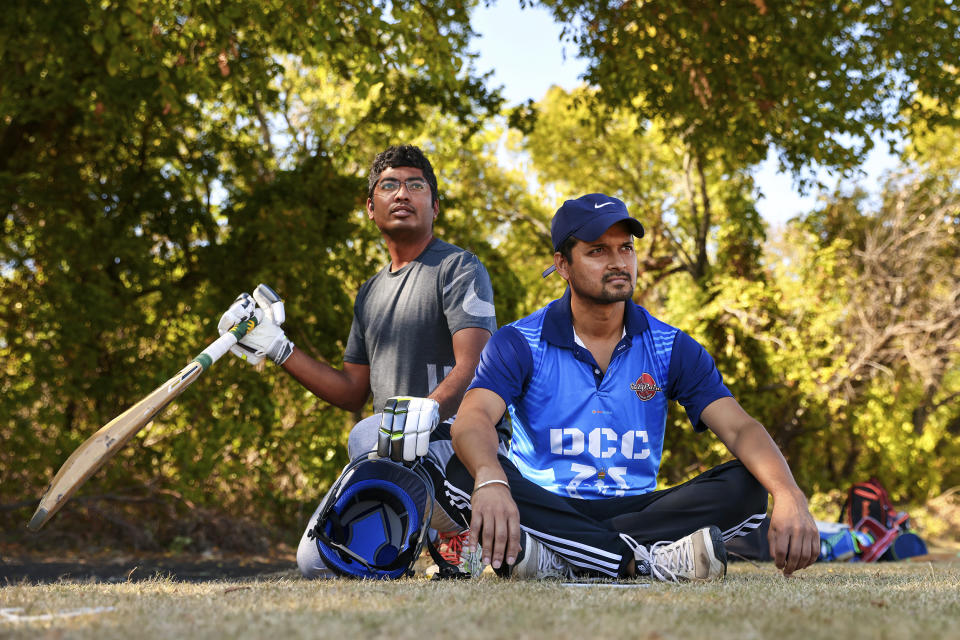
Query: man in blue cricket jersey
x=586, y=381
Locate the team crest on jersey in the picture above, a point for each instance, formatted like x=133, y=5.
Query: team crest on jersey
x=645, y=387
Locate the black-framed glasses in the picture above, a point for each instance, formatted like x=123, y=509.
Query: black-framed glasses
x=392, y=185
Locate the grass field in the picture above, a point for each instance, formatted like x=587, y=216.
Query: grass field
x=916, y=600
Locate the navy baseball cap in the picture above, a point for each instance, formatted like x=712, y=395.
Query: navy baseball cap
x=587, y=218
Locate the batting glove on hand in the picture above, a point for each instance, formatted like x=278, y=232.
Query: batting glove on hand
x=242, y=309
x=267, y=338
x=405, y=428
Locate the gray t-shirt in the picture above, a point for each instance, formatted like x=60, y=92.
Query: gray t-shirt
x=403, y=322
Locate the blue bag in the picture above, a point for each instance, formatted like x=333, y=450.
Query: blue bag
x=837, y=542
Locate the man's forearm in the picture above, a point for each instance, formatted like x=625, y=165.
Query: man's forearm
x=476, y=447
x=495, y=518
x=467, y=345
x=347, y=389
x=449, y=393
x=793, y=538
x=474, y=435
x=754, y=447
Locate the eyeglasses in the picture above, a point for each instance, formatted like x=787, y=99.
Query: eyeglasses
x=392, y=185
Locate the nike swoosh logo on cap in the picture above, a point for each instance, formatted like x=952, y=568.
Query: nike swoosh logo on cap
x=597, y=206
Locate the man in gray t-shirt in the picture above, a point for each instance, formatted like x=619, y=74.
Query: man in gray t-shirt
x=403, y=320
x=419, y=325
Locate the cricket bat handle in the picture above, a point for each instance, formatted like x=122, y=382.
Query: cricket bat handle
x=219, y=347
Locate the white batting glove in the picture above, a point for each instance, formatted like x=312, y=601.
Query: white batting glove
x=267, y=339
x=242, y=309
x=405, y=428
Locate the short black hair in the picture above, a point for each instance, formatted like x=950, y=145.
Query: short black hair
x=405, y=155
x=566, y=247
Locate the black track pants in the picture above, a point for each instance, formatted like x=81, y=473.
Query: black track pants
x=587, y=532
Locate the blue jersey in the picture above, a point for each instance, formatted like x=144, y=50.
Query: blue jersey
x=583, y=433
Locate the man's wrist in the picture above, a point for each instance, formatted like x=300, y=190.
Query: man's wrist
x=495, y=482
x=488, y=472
x=791, y=494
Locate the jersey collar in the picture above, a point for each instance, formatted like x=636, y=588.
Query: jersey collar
x=558, y=321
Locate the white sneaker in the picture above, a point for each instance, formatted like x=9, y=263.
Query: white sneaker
x=537, y=562
x=699, y=556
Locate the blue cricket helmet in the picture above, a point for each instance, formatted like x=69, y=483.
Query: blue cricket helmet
x=373, y=522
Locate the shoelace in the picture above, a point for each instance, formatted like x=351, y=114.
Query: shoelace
x=673, y=558
x=452, y=547
x=450, y=544
x=664, y=569
x=550, y=565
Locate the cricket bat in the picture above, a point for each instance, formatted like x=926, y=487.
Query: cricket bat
x=110, y=438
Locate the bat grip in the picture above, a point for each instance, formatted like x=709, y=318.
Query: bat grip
x=216, y=349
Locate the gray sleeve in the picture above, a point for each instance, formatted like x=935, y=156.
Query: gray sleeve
x=467, y=294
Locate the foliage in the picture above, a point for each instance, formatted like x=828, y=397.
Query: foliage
x=158, y=158
x=683, y=99
x=815, y=80
x=878, y=350
x=577, y=149
x=782, y=323
x=151, y=169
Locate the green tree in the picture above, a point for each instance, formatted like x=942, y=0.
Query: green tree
x=871, y=335
x=727, y=83
x=815, y=81
x=149, y=171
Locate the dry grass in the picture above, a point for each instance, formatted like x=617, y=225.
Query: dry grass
x=905, y=600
